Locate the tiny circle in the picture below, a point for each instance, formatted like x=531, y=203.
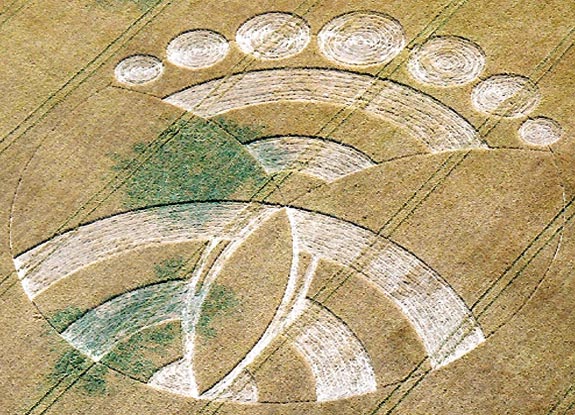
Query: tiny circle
x=540, y=131
x=197, y=49
x=361, y=39
x=272, y=36
x=509, y=96
x=446, y=61
x=139, y=69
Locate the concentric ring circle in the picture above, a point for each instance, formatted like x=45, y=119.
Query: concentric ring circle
x=361, y=39
x=446, y=61
x=272, y=36
x=139, y=69
x=197, y=49
x=510, y=96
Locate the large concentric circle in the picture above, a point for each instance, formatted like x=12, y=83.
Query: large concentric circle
x=138, y=69
x=197, y=49
x=446, y=61
x=273, y=36
x=361, y=38
x=509, y=96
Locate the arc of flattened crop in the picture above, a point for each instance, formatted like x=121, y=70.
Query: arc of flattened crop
x=59, y=257
x=98, y=331
x=436, y=125
x=440, y=317
x=340, y=364
x=326, y=160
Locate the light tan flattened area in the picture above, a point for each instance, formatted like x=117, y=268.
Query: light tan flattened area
x=484, y=216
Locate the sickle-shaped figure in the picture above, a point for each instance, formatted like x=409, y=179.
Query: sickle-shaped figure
x=440, y=317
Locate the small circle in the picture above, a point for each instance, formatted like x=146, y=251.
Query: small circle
x=139, y=69
x=197, y=49
x=361, y=39
x=446, y=61
x=540, y=131
x=510, y=96
x=272, y=36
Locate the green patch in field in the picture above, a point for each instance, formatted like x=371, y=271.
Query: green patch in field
x=73, y=366
x=195, y=160
x=63, y=318
x=138, y=356
x=220, y=302
x=170, y=269
x=71, y=363
x=243, y=133
x=94, y=381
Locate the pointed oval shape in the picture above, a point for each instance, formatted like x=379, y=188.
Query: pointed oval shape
x=242, y=301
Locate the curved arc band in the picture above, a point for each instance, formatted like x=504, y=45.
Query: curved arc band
x=440, y=317
x=435, y=124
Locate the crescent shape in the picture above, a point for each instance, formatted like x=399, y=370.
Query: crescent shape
x=435, y=124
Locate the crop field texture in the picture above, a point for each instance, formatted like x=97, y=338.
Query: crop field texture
x=287, y=207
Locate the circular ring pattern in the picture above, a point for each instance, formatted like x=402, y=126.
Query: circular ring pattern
x=361, y=39
x=540, y=131
x=139, y=69
x=446, y=61
x=197, y=49
x=509, y=96
x=272, y=36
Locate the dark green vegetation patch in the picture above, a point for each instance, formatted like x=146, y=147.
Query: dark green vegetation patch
x=194, y=160
x=94, y=381
x=170, y=269
x=139, y=357
x=63, y=318
x=220, y=302
x=73, y=364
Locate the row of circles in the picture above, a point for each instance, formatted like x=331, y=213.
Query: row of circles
x=353, y=39
x=357, y=39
